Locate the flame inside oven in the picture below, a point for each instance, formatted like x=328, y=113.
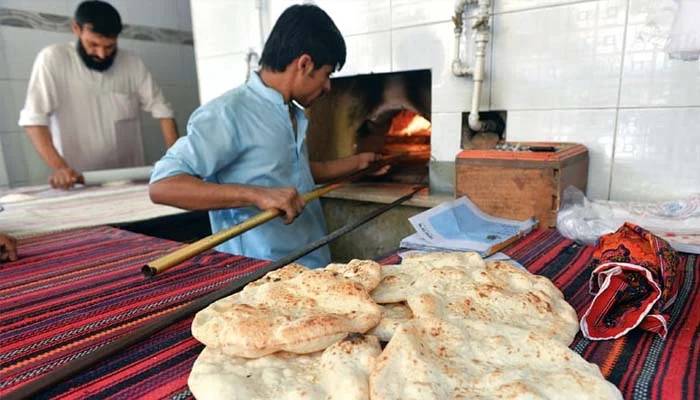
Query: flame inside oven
x=409, y=134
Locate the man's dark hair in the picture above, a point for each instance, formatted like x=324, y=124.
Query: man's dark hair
x=102, y=17
x=304, y=29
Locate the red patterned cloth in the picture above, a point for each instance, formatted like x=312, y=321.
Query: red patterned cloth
x=72, y=292
x=636, y=277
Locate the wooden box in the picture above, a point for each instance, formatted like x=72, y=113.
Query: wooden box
x=521, y=184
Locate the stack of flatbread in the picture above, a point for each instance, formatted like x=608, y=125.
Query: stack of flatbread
x=454, y=327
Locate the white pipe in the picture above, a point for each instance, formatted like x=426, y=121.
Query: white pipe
x=481, y=24
x=459, y=66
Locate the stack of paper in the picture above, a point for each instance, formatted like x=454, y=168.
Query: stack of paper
x=460, y=226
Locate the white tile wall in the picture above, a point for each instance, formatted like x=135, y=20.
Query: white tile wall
x=445, y=136
x=15, y=160
x=367, y=15
x=650, y=77
x=220, y=74
x=562, y=57
x=593, y=128
x=11, y=101
x=657, y=154
x=224, y=26
x=501, y=6
x=430, y=47
x=4, y=180
x=23, y=45
x=165, y=58
x=417, y=12
x=60, y=7
x=184, y=15
x=367, y=53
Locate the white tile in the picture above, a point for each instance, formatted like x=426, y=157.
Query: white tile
x=517, y=5
x=445, y=136
x=162, y=59
x=59, y=7
x=367, y=53
x=37, y=170
x=184, y=100
x=23, y=45
x=352, y=17
x=184, y=15
x=561, y=57
x=15, y=160
x=154, y=13
x=4, y=73
x=417, y=12
x=189, y=66
x=220, y=74
x=224, y=26
x=657, y=154
x=152, y=138
x=4, y=179
x=12, y=94
x=430, y=47
x=650, y=77
x=593, y=128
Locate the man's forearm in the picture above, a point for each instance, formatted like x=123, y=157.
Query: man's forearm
x=41, y=139
x=169, y=129
x=323, y=171
x=191, y=193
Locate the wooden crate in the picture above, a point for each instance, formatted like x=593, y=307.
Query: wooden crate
x=521, y=184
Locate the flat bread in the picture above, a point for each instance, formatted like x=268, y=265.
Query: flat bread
x=397, y=280
x=285, y=273
x=393, y=315
x=341, y=372
x=304, y=314
x=365, y=272
x=499, y=293
x=430, y=358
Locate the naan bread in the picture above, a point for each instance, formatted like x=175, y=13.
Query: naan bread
x=429, y=358
x=285, y=273
x=397, y=280
x=304, y=314
x=365, y=272
x=393, y=315
x=341, y=372
x=498, y=292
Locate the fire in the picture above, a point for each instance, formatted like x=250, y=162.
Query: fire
x=409, y=123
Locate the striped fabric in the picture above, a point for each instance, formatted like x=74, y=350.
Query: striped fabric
x=72, y=292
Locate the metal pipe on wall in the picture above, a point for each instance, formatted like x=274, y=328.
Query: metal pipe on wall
x=460, y=67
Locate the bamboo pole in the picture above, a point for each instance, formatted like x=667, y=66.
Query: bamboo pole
x=188, y=251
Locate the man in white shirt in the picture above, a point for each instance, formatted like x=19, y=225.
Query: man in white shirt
x=83, y=100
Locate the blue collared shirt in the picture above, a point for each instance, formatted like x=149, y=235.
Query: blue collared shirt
x=246, y=137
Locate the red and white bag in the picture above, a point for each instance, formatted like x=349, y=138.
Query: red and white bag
x=636, y=277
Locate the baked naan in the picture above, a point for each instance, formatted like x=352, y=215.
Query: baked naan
x=430, y=358
x=393, y=315
x=304, y=314
x=340, y=372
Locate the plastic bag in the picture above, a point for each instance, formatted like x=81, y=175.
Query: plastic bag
x=676, y=221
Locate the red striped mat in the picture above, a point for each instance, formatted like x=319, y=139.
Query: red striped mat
x=71, y=293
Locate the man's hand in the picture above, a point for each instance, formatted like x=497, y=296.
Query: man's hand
x=285, y=199
x=8, y=248
x=64, y=178
x=365, y=159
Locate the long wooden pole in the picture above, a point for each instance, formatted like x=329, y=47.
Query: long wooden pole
x=188, y=251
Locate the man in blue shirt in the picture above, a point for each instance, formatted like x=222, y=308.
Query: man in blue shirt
x=245, y=151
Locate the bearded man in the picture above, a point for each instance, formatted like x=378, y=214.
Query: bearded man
x=83, y=100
